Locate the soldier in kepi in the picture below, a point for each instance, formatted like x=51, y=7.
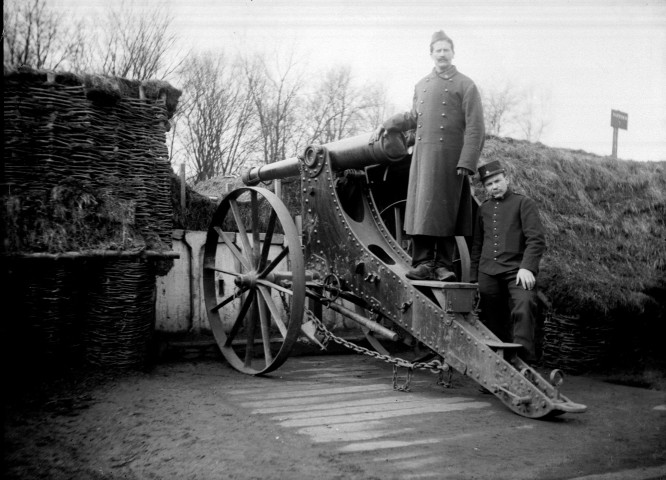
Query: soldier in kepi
x=447, y=119
x=508, y=245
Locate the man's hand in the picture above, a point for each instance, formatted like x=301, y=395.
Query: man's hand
x=463, y=171
x=377, y=134
x=525, y=278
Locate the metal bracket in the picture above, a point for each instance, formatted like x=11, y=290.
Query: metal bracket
x=309, y=329
x=515, y=399
x=372, y=278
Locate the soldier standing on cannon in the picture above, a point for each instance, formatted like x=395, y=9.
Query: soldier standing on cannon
x=447, y=118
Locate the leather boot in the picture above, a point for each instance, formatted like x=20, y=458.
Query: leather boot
x=443, y=274
x=420, y=272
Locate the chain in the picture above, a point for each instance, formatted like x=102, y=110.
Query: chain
x=440, y=379
x=435, y=366
x=406, y=387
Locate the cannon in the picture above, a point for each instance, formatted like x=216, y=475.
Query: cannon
x=347, y=258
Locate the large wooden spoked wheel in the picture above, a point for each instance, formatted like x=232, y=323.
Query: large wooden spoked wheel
x=254, y=302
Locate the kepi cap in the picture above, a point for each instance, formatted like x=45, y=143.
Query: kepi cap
x=489, y=169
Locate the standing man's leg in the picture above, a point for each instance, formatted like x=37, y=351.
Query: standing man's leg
x=444, y=250
x=494, y=306
x=524, y=311
x=423, y=249
x=423, y=254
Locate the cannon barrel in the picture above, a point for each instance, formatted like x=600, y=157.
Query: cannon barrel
x=290, y=167
x=350, y=153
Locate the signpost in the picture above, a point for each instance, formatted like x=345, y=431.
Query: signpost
x=618, y=120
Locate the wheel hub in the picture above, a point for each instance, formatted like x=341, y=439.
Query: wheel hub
x=248, y=280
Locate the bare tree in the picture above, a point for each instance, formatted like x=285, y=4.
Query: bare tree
x=39, y=37
x=215, y=117
x=533, y=118
x=380, y=108
x=509, y=109
x=339, y=109
x=129, y=43
x=134, y=43
x=275, y=93
x=499, y=108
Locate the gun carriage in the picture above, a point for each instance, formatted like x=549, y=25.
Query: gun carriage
x=347, y=259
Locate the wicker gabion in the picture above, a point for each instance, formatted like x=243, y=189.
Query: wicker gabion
x=574, y=345
x=121, y=314
x=85, y=167
x=86, y=173
x=47, y=330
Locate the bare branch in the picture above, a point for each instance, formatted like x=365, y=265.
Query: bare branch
x=217, y=115
x=499, y=105
x=509, y=109
x=275, y=92
x=533, y=117
x=338, y=108
x=136, y=43
x=36, y=36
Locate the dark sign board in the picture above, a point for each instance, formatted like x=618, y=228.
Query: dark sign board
x=619, y=119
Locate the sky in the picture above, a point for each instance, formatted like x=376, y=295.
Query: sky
x=585, y=58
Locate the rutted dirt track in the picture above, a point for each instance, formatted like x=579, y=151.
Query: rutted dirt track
x=321, y=417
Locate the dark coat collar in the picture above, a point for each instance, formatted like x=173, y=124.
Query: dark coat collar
x=447, y=74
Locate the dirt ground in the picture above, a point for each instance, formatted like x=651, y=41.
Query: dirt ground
x=173, y=421
x=190, y=419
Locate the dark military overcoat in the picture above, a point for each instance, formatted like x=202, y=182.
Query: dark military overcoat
x=448, y=121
